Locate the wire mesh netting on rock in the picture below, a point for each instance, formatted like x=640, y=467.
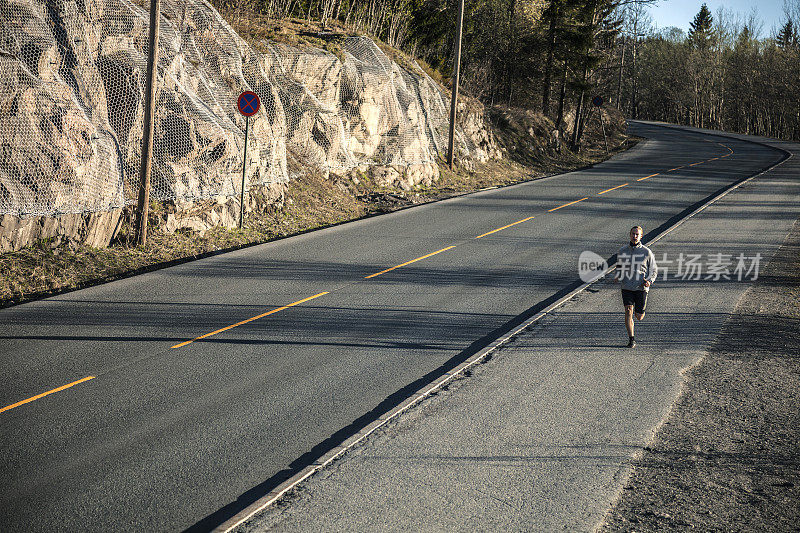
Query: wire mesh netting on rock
x=72, y=77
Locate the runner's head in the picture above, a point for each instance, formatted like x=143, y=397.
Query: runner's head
x=636, y=234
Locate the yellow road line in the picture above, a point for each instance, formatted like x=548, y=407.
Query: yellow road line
x=262, y=315
x=504, y=227
x=408, y=262
x=42, y=395
x=612, y=188
x=226, y=328
x=565, y=205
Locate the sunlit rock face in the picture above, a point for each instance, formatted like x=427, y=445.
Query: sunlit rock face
x=72, y=78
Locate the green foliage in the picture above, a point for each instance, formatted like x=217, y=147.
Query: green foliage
x=432, y=28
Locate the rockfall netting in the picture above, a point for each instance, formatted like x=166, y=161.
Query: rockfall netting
x=72, y=77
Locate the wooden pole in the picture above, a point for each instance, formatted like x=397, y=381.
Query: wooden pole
x=603, y=125
x=456, y=72
x=147, y=137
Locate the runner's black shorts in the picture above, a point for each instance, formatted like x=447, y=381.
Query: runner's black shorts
x=638, y=299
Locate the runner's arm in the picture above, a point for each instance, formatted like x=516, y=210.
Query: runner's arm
x=652, y=269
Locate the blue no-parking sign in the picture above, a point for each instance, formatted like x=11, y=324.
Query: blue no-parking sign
x=248, y=103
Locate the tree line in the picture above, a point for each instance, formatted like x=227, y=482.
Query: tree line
x=720, y=74
x=554, y=55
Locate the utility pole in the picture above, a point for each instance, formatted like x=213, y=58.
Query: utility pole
x=147, y=136
x=618, y=99
x=456, y=71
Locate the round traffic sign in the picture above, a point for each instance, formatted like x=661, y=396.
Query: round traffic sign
x=597, y=101
x=248, y=103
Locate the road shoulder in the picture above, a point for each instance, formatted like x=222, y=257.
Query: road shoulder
x=727, y=456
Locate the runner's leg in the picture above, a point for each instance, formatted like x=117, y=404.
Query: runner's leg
x=629, y=319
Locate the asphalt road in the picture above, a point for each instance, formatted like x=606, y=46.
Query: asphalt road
x=542, y=434
x=168, y=435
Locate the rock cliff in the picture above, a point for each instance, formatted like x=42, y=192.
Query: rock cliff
x=71, y=106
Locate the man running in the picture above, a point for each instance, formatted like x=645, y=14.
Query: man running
x=637, y=270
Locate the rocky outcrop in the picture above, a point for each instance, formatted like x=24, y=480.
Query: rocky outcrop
x=480, y=143
x=92, y=229
x=201, y=215
x=71, y=106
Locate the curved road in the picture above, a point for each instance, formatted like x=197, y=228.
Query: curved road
x=206, y=384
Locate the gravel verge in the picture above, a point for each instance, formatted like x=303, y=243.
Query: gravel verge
x=727, y=458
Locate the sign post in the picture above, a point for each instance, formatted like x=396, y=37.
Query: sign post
x=598, y=102
x=248, y=104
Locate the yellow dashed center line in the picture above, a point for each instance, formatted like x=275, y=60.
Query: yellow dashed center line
x=262, y=315
x=565, y=205
x=42, y=395
x=727, y=147
x=612, y=188
x=504, y=227
x=408, y=262
x=226, y=328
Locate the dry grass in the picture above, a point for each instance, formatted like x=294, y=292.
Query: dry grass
x=526, y=136
x=53, y=265
x=437, y=76
x=256, y=29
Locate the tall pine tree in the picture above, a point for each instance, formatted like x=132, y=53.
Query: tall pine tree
x=787, y=37
x=700, y=28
